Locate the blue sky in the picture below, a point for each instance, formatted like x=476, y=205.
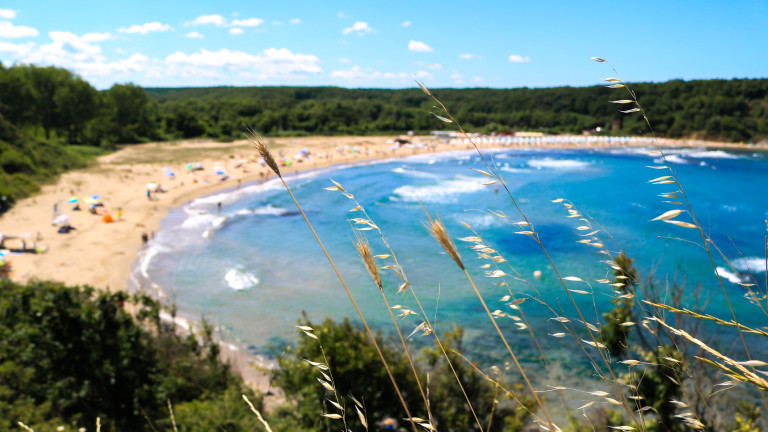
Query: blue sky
x=387, y=44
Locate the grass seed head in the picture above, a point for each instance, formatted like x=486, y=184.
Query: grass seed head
x=364, y=249
x=263, y=150
x=437, y=229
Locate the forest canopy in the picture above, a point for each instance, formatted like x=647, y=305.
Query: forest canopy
x=52, y=120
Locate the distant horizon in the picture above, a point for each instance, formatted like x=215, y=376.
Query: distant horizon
x=353, y=45
x=416, y=87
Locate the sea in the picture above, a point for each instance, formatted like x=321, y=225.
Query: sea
x=254, y=270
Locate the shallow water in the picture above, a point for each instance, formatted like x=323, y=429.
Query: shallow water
x=253, y=268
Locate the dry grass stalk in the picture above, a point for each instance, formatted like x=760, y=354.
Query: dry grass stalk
x=706, y=240
x=400, y=272
x=364, y=249
x=173, y=419
x=614, y=382
x=440, y=233
x=436, y=228
x=258, y=414
x=371, y=337
x=263, y=150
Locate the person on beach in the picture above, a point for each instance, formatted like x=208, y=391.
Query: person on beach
x=149, y=194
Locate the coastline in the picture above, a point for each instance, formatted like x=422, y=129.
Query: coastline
x=103, y=255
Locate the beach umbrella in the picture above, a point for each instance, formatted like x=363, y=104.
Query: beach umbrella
x=71, y=200
x=170, y=173
x=89, y=200
x=152, y=186
x=96, y=197
x=62, y=218
x=190, y=166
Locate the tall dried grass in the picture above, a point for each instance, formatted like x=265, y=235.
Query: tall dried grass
x=622, y=378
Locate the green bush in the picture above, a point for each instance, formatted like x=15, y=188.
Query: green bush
x=70, y=355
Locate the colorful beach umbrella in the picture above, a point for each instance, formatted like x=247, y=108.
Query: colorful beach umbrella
x=71, y=200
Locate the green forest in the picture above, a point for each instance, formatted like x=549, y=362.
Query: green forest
x=52, y=120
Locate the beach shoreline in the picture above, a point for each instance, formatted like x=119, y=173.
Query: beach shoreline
x=103, y=255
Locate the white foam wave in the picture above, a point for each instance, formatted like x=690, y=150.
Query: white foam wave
x=198, y=220
x=557, y=163
x=728, y=275
x=414, y=173
x=710, y=154
x=750, y=264
x=442, y=192
x=270, y=210
x=238, y=279
x=675, y=159
x=514, y=170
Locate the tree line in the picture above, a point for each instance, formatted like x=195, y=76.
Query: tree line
x=52, y=120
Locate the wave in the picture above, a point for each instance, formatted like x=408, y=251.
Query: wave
x=672, y=158
x=237, y=279
x=414, y=173
x=557, y=163
x=507, y=168
x=728, y=275
x=270, y=210
x=750, y=264
x=442, y=192
x=710, y=154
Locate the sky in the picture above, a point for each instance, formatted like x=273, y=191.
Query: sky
x=387, y=44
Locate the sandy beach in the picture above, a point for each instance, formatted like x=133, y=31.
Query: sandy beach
x=102, y=254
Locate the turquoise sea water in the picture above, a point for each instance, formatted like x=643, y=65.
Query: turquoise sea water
x=254, y=267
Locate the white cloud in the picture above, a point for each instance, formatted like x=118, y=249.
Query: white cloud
x=359, y=27
x=419, y=46
x=467, y=56
x=295, y=21
x=477, y=79
x=457, y=78
x=272, y=63
x=8, y=30
x=7, y=14
x=194, y=35
x=434, y=66
x=406, y=24
x=151, y=27
x=358, y=74
x=340, y=14
x=515, y=58
x=216, y=20
x=76, y=53
x=344, y=60
x=423, y=75
x=16, y=50
x=236, y=31
x=96, y=37
x=250, y=22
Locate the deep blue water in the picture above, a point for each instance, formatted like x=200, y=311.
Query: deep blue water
x=252, y=269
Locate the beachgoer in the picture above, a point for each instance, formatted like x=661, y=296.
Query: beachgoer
x=144, y=238
x=219, y=206
x=119, y=213
x=149, y=194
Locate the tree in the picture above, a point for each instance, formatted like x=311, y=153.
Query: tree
x=357, y=371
